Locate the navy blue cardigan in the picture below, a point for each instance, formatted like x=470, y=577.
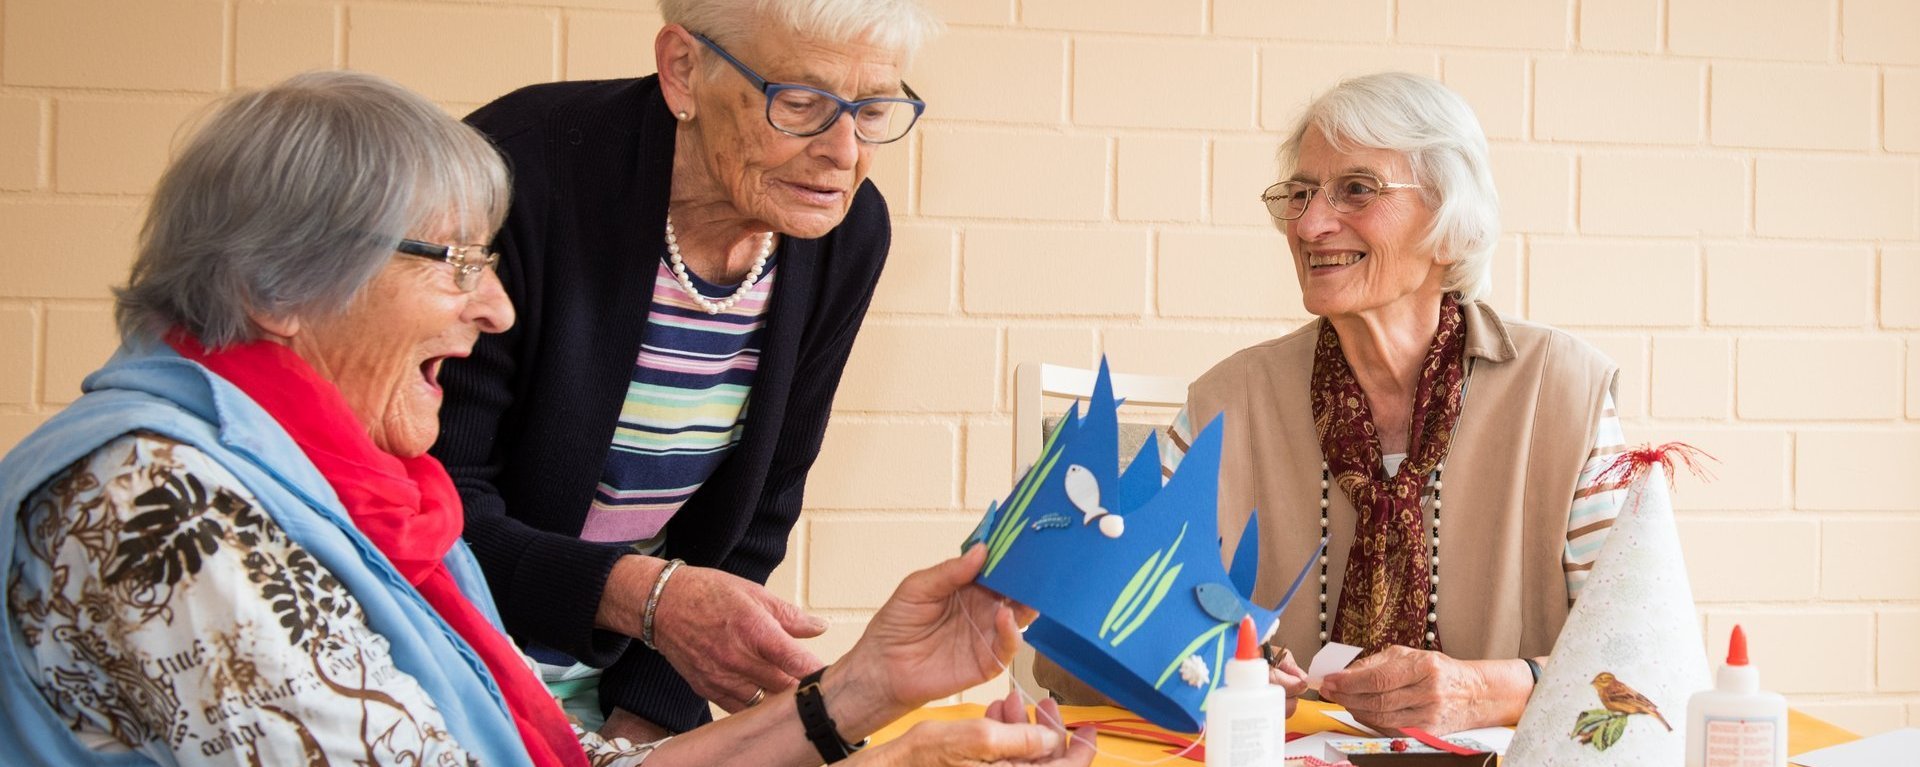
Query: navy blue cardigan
x=529, y=417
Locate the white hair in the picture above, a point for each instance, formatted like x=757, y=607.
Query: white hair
x=899, y=25
x=1442, y=140
x=290, y=199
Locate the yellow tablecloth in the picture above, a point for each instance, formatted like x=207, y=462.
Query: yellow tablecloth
x=1804, y=733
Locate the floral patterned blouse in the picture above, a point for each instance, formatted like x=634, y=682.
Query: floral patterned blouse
x=163, y=612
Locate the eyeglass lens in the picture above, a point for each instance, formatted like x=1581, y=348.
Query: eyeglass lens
x=1288, y=200
x=805, y=112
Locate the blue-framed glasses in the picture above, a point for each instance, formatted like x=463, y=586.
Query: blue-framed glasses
x=799, y=110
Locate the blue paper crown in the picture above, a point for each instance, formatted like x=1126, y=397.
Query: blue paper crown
x=1125, y=573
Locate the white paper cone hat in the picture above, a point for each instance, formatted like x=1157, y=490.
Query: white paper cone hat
x=1630, y=647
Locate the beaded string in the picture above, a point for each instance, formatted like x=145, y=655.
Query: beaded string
x=1433, y=563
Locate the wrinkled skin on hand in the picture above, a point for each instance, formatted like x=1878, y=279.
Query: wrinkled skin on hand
x=1004, y=738
x=731, y=638
x=1287, y=674
x=1401, y=687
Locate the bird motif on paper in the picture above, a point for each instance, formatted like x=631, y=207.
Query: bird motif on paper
x=1603, y=727
x=1084, y=491
x=1621, y=699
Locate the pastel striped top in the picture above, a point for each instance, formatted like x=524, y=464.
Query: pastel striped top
x=684, y=410
x=1595, y=504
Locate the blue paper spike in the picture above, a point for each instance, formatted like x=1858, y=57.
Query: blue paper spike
x=1246, y=556
x=1302, y=577
x=1102, y=423
x=1141, y=482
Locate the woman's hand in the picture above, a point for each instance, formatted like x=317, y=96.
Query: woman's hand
x=938, y=634
x=1004, y=737
x=1287, y=674
x=728, y=637
x=1403, y=687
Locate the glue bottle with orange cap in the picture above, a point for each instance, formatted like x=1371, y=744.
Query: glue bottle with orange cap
x=1247, y=713
x=1736, y=724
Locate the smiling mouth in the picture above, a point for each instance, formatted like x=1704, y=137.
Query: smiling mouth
x=1334, y=259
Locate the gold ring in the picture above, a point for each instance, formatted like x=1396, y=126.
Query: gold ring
x=758, y=695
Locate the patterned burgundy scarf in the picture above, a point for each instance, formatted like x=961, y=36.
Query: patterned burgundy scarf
x=1384, y=599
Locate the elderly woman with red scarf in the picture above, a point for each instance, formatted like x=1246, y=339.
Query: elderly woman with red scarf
x=1409, y=402
x=234, y=549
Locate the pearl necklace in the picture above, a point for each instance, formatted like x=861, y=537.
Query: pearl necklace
x=1433, y=593
x=679, y=268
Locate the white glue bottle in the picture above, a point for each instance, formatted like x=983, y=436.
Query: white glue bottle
x=1735, y=724
x=1247, y=713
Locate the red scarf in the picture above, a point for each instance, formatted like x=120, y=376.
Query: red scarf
x=1384, y=598
x=406, y=506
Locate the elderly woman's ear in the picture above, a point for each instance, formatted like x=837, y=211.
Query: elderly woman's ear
x=273, y=327
x=675, y=56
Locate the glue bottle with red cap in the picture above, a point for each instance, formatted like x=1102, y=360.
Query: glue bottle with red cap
x=1247, y=713
x=1736, y=724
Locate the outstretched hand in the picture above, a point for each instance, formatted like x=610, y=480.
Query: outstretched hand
x=1004, y=738
x=940, y=633
x=730, y=638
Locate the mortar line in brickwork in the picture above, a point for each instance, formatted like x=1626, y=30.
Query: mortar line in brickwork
x=230, y=45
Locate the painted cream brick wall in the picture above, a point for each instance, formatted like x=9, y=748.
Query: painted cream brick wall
x=1724, y=195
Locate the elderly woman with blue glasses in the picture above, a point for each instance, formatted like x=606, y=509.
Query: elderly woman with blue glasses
x=691, y=254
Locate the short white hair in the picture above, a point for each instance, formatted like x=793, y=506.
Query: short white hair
x=1443, y=142
x=289, y=199
x=899, y=25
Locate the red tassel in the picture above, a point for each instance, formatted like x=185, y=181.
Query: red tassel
x=1628, y=466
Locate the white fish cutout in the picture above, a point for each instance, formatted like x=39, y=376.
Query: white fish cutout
x=1084, y=491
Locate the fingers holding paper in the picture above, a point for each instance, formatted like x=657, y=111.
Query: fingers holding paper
x=1401, y=687
x=1284, y=672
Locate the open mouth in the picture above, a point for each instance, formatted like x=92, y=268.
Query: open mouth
x=430, y=370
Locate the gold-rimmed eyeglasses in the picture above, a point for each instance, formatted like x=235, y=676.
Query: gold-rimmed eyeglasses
x=468, y=261
x=1346, y=193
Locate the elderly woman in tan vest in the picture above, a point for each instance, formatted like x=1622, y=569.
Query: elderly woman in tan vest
x=1407, y=403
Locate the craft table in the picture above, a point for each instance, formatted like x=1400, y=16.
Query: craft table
x=1804, y=733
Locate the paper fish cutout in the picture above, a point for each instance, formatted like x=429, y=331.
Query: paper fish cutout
x=1084, y=491
x=1220, y=602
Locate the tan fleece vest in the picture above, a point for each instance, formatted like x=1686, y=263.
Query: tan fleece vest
x=1533, y=406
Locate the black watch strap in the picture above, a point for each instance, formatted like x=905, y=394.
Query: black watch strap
x=1533, y=666
x=821, y=731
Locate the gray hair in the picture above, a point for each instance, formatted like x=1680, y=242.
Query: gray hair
x=288, y=200
x=1436, y=130
x=900, y=25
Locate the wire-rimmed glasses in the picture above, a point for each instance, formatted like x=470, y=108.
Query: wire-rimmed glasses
x=1345, y=193
x=468, y=261
x=802, y=111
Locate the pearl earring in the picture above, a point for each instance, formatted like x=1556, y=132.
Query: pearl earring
x=682, y=114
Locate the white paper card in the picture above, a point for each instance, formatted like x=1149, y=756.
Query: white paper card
x=1314, y=745
x=1496, y=738
x=1331, y=658
x=1347, y=719
x=1894, y=747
